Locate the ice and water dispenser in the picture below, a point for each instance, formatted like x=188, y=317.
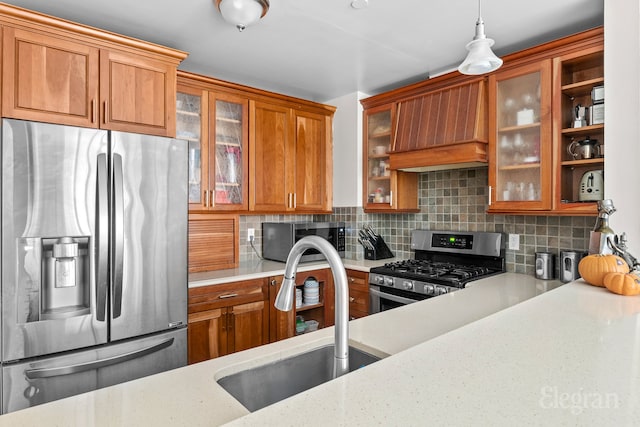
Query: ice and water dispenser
x=58, y=273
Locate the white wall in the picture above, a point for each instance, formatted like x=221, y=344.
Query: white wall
x=622, y=116
x=347, y=150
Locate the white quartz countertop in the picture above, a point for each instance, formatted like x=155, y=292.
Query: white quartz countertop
x=474, y=357
x=248, y=270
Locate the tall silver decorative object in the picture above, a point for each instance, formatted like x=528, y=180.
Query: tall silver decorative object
x=598, y=238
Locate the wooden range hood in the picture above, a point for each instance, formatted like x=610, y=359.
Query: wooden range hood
x=442, y=129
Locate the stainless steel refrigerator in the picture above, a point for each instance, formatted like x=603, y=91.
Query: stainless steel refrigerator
x=94, y=259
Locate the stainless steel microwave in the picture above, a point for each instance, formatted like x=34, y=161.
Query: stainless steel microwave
x=279, y=237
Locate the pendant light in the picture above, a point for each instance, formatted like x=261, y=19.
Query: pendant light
x=242, y=13
x=480, y=59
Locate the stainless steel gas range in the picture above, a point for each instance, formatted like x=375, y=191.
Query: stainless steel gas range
x=445, y=261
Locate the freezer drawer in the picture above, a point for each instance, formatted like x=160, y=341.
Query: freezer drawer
x=45, y=379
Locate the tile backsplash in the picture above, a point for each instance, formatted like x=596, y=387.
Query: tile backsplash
x=451, y=200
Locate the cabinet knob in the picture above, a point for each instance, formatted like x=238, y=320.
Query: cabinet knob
x=351, y=279
x=351, y=299
x=274, y=282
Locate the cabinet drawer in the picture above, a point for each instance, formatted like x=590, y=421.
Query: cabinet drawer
x=358, y=280
x=358, y=301
x=224, y=295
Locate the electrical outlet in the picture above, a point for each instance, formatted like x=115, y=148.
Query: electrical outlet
x=514, y=242
x=251, y=234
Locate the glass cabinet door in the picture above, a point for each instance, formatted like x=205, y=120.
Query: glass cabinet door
x=189, y=127
x=378, y=175
x=520, y=175
x=229, y=136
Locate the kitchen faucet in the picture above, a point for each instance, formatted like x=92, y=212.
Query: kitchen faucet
x=284, y=299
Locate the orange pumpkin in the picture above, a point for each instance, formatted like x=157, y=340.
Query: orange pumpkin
x=623, y=283
x=594, y=267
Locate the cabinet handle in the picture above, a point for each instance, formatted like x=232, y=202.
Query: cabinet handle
x=211, y=198
x=104, y=112
x=391, y=198
x=227, y=296
x=205, y=198
x=289, y=200
x=295, y=201
x=93, y=111
x=490, y=195
x=224, y=321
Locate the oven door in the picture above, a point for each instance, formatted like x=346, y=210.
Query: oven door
x=382, y=298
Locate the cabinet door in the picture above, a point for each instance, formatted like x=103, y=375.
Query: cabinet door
x=207, y=335
x=247, y=326
x=270, y=162
x=192, y=126
x=228, y=151
x=520, y=138
x=313, y=174
x=137, y=94
x=49, y=79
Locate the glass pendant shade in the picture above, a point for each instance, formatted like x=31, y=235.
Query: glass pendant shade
x=242, y=13
x=480, y=59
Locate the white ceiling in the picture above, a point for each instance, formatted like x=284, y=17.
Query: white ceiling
x=323, y=49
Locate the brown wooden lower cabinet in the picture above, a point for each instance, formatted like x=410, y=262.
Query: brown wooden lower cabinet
x=283, y=324
x=236, y=316
x=358, y=294
x=227, y=318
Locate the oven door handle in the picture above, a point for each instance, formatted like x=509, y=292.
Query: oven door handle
x=391, y=297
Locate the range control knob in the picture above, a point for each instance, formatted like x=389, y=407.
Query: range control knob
x=440, y=290
x=407, y=284
x=379, y=280
x=429, y=289
x=388, y=281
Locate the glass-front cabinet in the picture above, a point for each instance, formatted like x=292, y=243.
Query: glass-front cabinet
x=520, y=171
x=378, y=130
x=215, y=126
x=385, y=189
x=229, y=135
x=190, y=127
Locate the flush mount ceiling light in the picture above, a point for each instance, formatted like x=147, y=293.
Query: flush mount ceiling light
x=480, y=58
x=242, y=13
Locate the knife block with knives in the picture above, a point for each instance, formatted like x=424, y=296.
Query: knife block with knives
x=374, y=245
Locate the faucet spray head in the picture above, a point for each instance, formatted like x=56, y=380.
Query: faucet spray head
x=284, y=299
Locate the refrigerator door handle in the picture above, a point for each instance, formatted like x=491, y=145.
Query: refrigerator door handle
x=117, y=228
x=89, y=366
x=102, y=238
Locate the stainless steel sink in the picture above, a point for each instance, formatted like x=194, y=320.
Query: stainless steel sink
x=264, y=385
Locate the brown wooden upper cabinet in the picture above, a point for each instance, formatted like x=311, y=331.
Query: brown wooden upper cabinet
x=290, y=159
x=520, y=165
x=137, y=94
x=81, y=77
x=533, y=126
x=216, y=126
x=385, y=190
x=49, y=79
